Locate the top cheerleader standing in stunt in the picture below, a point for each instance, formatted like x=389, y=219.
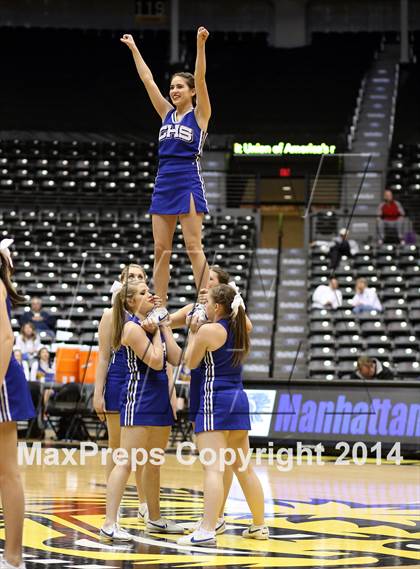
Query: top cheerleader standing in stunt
x=179, y=186
x=15, y=405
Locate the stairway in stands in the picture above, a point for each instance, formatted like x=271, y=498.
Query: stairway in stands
x=291, y=326
x=260, y=309
x=372, y=135
x=214, y=174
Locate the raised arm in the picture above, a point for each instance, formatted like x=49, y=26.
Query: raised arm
x=177, y=319
x=151, y=353
x=209, y=337
x=6, y=335
x=202, y=108
x=159, y=102
x=173, y=351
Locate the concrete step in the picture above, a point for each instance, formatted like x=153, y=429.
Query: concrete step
x=262, y=368
x=261, y=293
x=257, y=317
x=284, y=371
x=260, y=341
x=262, y=305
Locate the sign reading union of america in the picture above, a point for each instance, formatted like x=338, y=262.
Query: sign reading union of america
x=281, y=148
x=314, y=533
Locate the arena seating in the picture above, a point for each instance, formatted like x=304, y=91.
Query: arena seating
x=85, y=80
x=69, y=172
x=404, y=178
x=76, y=210
x=71, y=257
x=407, y=117
x=336, y=338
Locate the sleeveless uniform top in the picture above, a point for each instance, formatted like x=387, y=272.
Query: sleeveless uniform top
x=145, y=398
x=180, y=142
x=115, y=381
x=218, y=366
x=15, y=398
x=223, y=402
x=117, y=365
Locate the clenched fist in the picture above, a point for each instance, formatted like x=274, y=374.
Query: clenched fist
x=202, y=35
x=129, y=41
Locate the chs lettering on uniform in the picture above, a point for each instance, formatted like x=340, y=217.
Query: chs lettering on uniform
x=180, y=131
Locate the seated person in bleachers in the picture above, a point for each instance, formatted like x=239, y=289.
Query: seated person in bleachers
x=365, y=299
x=371, y=368
x=41, y=319
x=43, y=372
x=390, y=214
x=340, y=246
x=28, y=342
x=327, y=296
x=23, y=363
x=41, y=369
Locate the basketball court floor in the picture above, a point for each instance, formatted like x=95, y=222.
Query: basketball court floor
x=319, y=516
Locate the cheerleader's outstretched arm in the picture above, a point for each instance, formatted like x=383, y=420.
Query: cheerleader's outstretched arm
x=161, y=105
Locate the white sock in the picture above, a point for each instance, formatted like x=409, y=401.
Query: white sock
x=221, y=520
x=201, y=533
x=9, y=565
x=108, y=527
x=142, y=506
x=258, y=527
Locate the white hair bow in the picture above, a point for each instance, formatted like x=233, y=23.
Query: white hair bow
x=4, y=250
x=115, y=289
x=238, y=300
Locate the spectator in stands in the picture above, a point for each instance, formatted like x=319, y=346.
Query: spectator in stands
x=365, y=299
x=390, y=214
x=328, y=297
x=41, y=369
x=23, y=363
x=43, y=372
x=42, y=319
x=371, y=368
x=28, y=342
x=340, y=246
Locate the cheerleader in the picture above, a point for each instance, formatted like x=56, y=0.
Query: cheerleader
x=15, y=405
x=222, y=420
x=179, y=186
x=194, y=316
x=110, y=380
x=146, y=414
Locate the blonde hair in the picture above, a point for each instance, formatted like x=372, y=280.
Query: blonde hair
x=126, y=270
x=119, y=312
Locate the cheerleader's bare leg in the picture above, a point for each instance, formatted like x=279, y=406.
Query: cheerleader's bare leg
x=114, y=442
x=163, y=234
x=192, y=225
x=11, y=492
x=247, y=478
x=213, y=477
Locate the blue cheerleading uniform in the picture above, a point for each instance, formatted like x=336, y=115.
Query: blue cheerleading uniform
x=15, y=397
x=195, y=387
x=179, y=173
x=223, y=402
x=115, y=381
x=145, y=397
